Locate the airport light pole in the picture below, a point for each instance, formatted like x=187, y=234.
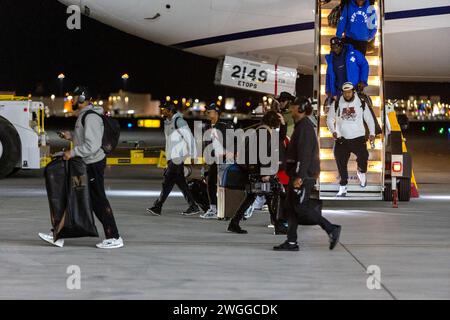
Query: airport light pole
x=61, y=77
x=125, y=78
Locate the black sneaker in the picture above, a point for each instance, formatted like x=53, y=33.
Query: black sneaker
x=280, y=229
x=156, y=211
x=192, y=210
x=286, y=246
x=334, y=236
x=235, y=228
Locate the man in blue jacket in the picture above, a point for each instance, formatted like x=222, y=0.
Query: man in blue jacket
x=359, y=23
x=345, y=64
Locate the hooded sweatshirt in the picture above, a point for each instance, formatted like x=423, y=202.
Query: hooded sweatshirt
x=180, y=142
x=348, y=120
x=88, y=139
x=358, y=23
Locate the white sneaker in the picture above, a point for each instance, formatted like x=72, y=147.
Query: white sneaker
x=259, y=202
x=342, y=191
x=210, y=214
x=48, y=237
x=249, y=212
x=110, y=243
x=362, y=179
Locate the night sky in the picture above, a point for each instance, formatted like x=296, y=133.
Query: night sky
x=36, y=46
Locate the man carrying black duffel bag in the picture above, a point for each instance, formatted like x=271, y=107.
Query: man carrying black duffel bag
x=303, y=168
x=93, y=137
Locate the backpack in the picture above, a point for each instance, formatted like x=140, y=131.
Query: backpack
x=365, y=100
x=335, y=15
x=111, y=132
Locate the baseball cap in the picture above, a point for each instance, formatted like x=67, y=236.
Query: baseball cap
x=347, y=86
x=286, y=96
x=169, y=106
x=214, y=107
x=335, y=41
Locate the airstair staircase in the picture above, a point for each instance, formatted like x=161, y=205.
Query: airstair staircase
x=329, y=177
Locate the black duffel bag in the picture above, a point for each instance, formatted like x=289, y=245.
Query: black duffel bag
x=68, y=195
x=199, y=191
x=307, y=205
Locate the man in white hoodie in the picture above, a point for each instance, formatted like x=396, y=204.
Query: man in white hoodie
x=180, y=144
x=346, y=122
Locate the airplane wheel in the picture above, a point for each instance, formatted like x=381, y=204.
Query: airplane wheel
x=404, y=189
x=9, y=148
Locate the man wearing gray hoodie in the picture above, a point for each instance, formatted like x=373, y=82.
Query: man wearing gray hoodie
x=87, y=138
x=180, y=145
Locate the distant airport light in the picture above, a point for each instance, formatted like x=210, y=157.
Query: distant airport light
x=220, y=98
x=130, y=125
x=248, y=104
x=183, y=100
x=196, y=101
x=125, y=76
x=168, y=98
x=53, y=97
x=149, y=123
x=61, y=76
x=175, y=101
x=441, y=131
x=130, y=111
x=100, y=102
x=188, y=104
x=424, y=129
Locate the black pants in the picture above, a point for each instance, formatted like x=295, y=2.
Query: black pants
x=174, y=174
x=342, y=151
x=100, y=203
x=361, y=46
x=293, y=215
x=212, y=184
x=249, y=199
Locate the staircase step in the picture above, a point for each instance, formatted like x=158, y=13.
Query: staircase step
x=332, y=177
x=374, y=166
x=328, y=143
x=352, y=196
x=327, y=155
x=370, y=188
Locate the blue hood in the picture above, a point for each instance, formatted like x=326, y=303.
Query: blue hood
x=356, y=21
